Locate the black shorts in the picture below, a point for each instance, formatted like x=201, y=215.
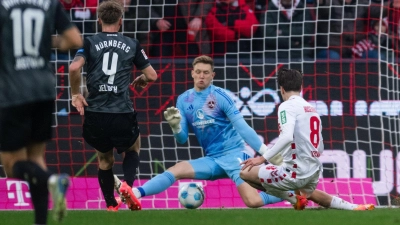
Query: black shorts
x=105, y=131
x=23, y=124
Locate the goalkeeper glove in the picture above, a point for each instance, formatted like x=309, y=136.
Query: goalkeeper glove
x=173, y=118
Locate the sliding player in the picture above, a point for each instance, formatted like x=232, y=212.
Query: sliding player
x=220, y=130
x=110, y=120
x=300, y=144
x=27, y=94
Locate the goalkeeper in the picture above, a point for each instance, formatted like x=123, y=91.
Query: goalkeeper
x=221, y=131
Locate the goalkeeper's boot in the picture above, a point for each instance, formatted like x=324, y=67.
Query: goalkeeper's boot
x=117, y=186
x=364, y=207
x=301, y=202
x=115, y=208
x=58, y=186
x=130, y=199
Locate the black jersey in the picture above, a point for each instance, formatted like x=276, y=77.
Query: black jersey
x=26, y=27
x=109, y=63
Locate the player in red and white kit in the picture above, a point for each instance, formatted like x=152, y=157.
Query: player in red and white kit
x=295, y=154
x=301, y=129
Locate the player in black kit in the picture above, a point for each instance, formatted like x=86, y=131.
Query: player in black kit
x=27, y=94
x=110, y=120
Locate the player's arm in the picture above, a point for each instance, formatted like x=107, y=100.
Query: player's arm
x=68, y=34
x=148, y=75
x=69, y=39
x=287, y=122
x=248, y=134
x=75, y=68
x=141, y=61
x=78, y=101
x=177, y=122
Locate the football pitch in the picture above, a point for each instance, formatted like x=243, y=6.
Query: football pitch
x=382, y=216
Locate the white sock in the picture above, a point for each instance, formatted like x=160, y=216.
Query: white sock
x=338, y=203
x=136, y=192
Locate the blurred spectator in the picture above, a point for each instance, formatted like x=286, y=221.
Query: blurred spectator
x=136, y=21
x=83, y=14
x=394, y=25
x=341, y=24
x=288, y=28
x=227, y=22
x=377, y=37
x=179, y=25
x=259, y=8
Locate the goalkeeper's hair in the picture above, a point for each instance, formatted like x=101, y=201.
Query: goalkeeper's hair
x=290, y=79
x=110, y=11
x=204, y=59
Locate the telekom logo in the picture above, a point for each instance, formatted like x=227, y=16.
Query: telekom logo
x=14, y=189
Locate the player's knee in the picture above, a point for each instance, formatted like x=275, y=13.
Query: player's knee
x=182, y=170
x=244, y=175
x=106, y=163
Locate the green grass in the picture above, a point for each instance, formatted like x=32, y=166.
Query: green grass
x=389, y=216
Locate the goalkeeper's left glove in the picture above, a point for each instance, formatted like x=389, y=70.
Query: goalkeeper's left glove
x=173, y=118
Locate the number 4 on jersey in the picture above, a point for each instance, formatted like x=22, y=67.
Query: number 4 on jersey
x=113, y=70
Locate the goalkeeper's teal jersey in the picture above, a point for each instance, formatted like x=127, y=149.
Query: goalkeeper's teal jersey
x=210, y=114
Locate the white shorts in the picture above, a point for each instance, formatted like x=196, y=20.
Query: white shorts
x=276, y=178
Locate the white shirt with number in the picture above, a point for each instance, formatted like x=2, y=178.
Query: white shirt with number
x=300, y=141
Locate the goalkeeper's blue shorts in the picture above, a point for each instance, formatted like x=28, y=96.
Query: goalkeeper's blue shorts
x=214, y=168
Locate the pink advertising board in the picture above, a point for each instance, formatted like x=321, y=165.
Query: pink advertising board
x=85, y=193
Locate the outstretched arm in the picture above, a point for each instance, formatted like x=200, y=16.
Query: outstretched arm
x=249, y=135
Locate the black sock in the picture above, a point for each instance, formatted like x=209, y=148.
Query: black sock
x=37, y=179
x=106, y=181
x=129, y=166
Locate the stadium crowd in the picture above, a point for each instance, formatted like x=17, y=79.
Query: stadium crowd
x=278, y=29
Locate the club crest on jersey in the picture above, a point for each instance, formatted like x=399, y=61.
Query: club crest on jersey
x=200, y=114
x=283, y=117
x=211, y=104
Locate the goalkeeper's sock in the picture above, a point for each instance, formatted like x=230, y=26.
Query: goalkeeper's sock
x=157, y=184
x=269, y=199
x=338, y=203
x=106, y=181
x=37, y=179
x=129, y=166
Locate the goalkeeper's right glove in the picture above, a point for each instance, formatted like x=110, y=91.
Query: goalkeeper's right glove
x=173, y=118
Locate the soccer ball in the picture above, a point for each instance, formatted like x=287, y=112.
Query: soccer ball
x=191, y=195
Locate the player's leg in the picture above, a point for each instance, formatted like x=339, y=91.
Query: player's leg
x=24, y=130
x=250, y=196
x=274, y=180
x=203, y=168
x=106, y=176
x=247, y=190
x=160, y=183
x=125, y=137
x=131, y=162
x=328, y=201
x=95, y=126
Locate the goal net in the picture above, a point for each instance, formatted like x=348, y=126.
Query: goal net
x=351, y=77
